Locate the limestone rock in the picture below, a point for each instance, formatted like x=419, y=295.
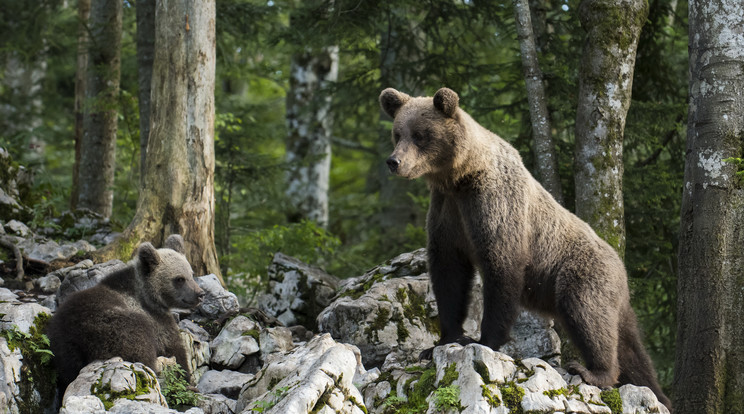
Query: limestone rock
x=114, y=379
x=226, y=382
x=317, y=376
x=20, y=314
x=278, y=339
x=236, y=341
x=83, y=404
x=196, y=343
x=10, y=377
x=48, y=284
x=218, y=302
x=640, y=400
x=297, y=292
x=391, y=314
x=216, y=404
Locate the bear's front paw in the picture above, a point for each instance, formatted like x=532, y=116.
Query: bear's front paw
x=426, y=354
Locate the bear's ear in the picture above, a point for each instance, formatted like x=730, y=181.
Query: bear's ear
x=175, y=242
x=148, y=257
x=391, y=100
x=446, y=100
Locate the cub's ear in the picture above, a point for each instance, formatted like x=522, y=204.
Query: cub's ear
x=148, y=256
x=446, y=100
x=175, y=242
x=391, y=100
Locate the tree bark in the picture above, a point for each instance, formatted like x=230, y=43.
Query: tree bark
x=98, y=148
x=545, y=155
x=605, y=83
x=177, y=196
x=80, y=78
x=710, y=329
x=309, y=127
x=145, y=54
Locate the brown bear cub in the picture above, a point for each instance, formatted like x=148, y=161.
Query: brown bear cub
x=488, y=213
x=127, y=314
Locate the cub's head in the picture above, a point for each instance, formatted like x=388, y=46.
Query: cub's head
x=167, y=276
x=426, y=132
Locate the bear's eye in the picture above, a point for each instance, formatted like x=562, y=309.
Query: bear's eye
x=396, y=136
x=180, y=279
x=419, y=138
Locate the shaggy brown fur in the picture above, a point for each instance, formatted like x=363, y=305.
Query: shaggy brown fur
x=127, y=314
x=488, y=213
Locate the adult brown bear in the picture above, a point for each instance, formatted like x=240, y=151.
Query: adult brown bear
x=488, y=213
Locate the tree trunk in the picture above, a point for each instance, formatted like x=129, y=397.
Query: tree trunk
x=145, y=53
x=178, y=191
x=545, y=155
x=710, y=329
x=80, y=78
x=605, y=83
x=309, y=127
x=98, y=148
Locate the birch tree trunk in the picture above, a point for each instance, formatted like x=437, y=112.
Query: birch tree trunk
x=98, y=148
x=605, y=83
x=709, y=366
x=309, y=127
x=177, y=195
x=545, y=155
x=145, y=54
x=80, y=78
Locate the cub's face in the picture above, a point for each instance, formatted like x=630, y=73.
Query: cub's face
x=175, y=281
x=424, y=132
x=168, y=275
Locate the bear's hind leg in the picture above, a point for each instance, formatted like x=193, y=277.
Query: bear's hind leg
x=594, y=331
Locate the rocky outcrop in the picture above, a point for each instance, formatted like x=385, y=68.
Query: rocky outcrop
x=392, y=307
x=318, y=377
x=297, y=292
x=242, y=361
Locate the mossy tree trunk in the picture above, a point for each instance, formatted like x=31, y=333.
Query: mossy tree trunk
x=80, y=77
x=98, y=147
x=177, y=194
x=605, y=83
x=545, y=154
x=145, y=55
x=709, y=366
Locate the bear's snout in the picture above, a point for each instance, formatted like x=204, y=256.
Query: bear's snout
x=393, y=164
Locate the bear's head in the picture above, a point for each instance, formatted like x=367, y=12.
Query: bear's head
x=426, y=132
x=166, y=275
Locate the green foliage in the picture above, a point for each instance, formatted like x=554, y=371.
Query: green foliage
x=739, y=163
x=254, y=251
x=447, y=398
x=108, y=397
x=512, y=395
x=176, y=388
x=275, y=396
x=612, y=398
x=38, y=376
x=33, y=344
